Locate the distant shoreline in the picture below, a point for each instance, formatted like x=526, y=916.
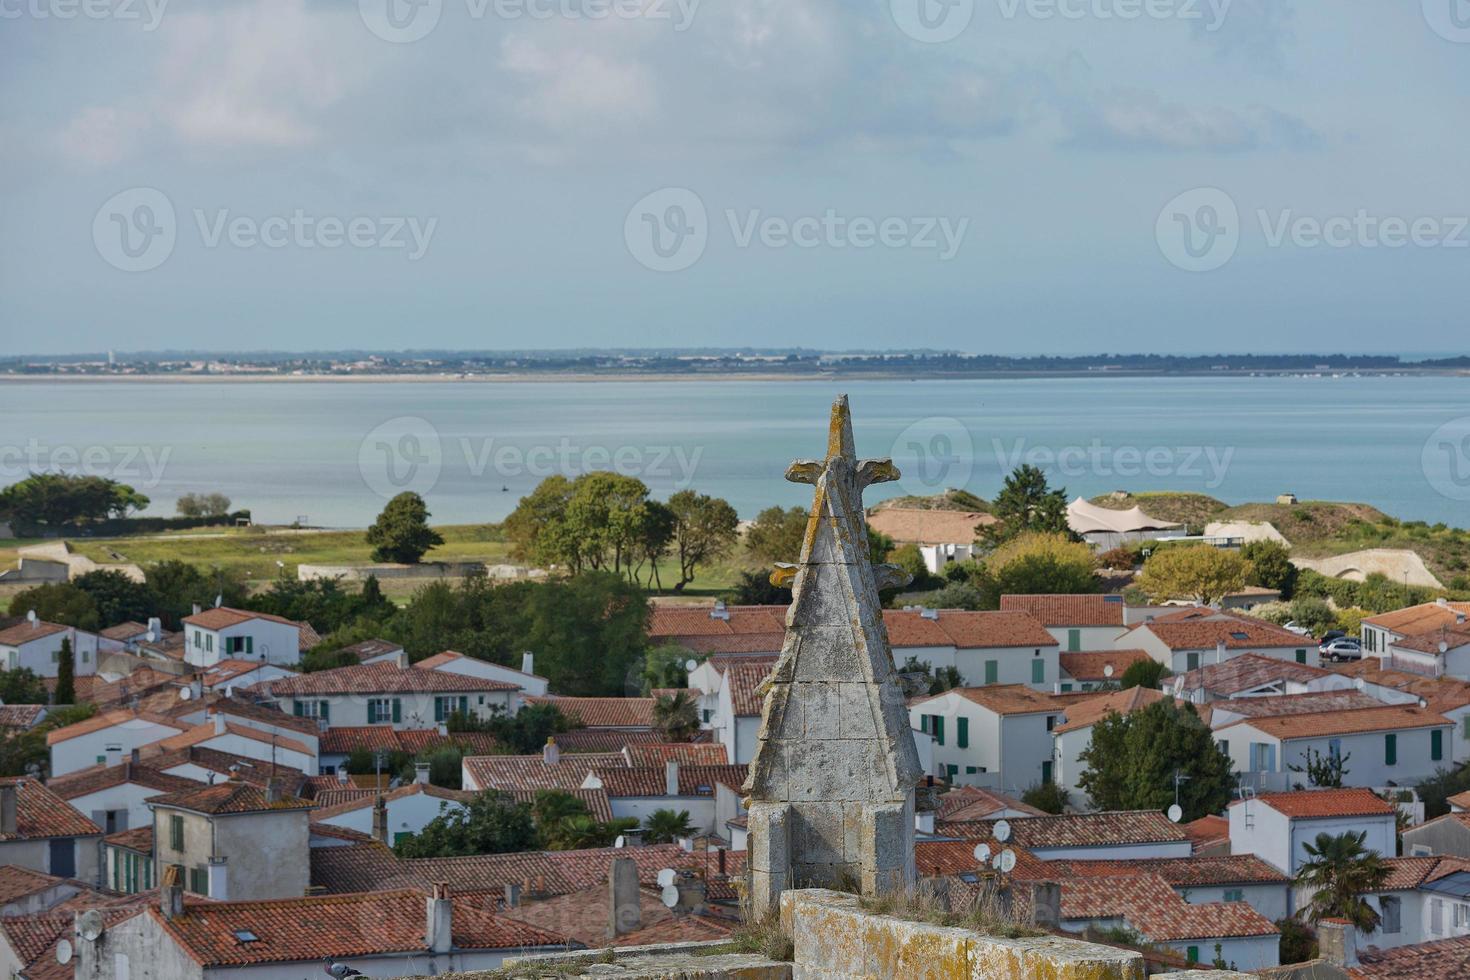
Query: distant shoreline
x=647, y=377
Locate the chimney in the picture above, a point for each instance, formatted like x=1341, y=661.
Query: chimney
x=633, y=838
x=402, y=660
x=926, y=613
x=114, y=755
x=671, y=777
x=342, y=776
x=219, y=886
x=421, y=773
x=1219, y=651
x=197, y=610
x=134, y=756
x=31, y=618
x=550, y=754
x=171, y=892
x=1442, y=602
x=8, y=796
x=691, y=893
x=219, y=723
x=528, y=662
x=439, y=919
x=272, y=792
x=1337, y=940
x=380, y=820
x=1046, y=904
x=720, y=860
x=719, y=611
x=624, y=913
x=512, y=894
x=155, y=628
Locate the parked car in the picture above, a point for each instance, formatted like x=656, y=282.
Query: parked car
x=1331, y=635
x=1340, y=649
x=1297, y=628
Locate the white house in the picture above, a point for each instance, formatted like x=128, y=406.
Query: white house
x=728, y=705
x=227, y=675
x=108, y=736
x=1424, y=900
x=997, y=737
x=1380, y=631
x=942, y=536
x=387, y=694
x=1198, y=637
x=1440, y=653
x=637, y=791
x=1397, y=745
x=1448, y=696
x=1089, y=670
x=36, y=645
x=1277, y=826
x=248, y=714
x=1202, y=880
x=222, y=734
x=223, y=633
x=115, y=796
x=40, y=831
x=1073, y=734
x=1252, y=675
x=457, y=663
x=408, y=808
x=1076, y=622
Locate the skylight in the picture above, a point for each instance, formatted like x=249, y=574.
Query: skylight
x=246, y=936
x=1241, y=636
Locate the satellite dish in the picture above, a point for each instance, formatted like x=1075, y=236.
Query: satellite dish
x=1176, y=813
x=63, y=952
x=691, y=665
x=670, y=896
x=1002, y=831
x=185, y=693
x=666, y=877
x=621, y=841
x=1007, y=861
x=995, y=862
x=90, y=925
x=982, y=853
x=1107, y=670
x=31, y=616
x=219, y=600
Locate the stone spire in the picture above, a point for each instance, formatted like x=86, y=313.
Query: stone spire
x=832, y=782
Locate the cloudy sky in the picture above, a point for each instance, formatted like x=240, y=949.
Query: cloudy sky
x=987, y=175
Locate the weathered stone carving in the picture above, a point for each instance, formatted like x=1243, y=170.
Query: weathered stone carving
x=831, y=785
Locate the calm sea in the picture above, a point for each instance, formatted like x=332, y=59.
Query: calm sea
x=330, y=453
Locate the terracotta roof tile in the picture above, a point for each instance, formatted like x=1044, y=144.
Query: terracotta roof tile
x=1108, y=827
x=1283, y=705
x=1196, y=872
x=946, y=859
x=743, y=679
x=511, y=772
x=21, y=716
x=1005, y=699
x=974, y=803
x=582, y=917
x=675, y=623
x=965, y=629
x=1208, y=831
x=1236, y=634
x=379, y=678
x=1068, y=610
x=685, y=753
x=371, y=648
x=1152, y=907
x=17, y=882
x=207, y=731
x=1308, y=803
x=1405, y=873
x=327, y=807
x=1396, y=717
x=1414, y=620
x=307, y=929
x=232, y=796
x=625, y=781
x=1090, y=665
x=1081, y=714
x=40, y=813
x=583, y=741
x=1244, y=673
x=601, y=712
x=1461, y=800
x=254, y=771
x=1442, y=693
x=596, y=801
x=134, y=839
x=106, y=719
x=362, y=867
x=922, y=525
x=24, y=632
x=93, y=779
x=1425, y=961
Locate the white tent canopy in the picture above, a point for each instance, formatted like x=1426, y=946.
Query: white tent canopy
x=1088, y=518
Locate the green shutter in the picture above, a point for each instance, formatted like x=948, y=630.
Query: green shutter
x=297, y=709
x=1390, y=749
x=953, y=771
x=1192, y=954
x=438, y=709
x=1436, y=745
x=1074, y=640
x=992, y=671
x=1038, y=671
x=176, y=832
x=397, y=711
x=938, y=730
x=1046, y=771
x=1301, y=656
x=962, y=733
x=249, y=645
x=324, y=711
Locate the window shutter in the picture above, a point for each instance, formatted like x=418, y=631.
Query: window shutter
x=324, y=711
x=1436, y=745
x=1390, y=749
x=992, y=671
x=297, y=709
x=962, y=733
x=938, y=729
x=464, y=705
x=1038, y=671
x=397, y=711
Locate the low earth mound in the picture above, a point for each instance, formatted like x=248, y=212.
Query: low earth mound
x=1194, y=509
x=962, y=500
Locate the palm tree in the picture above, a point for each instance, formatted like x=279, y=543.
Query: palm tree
x=666, y=826
x=1338, y=870
x=676, y=717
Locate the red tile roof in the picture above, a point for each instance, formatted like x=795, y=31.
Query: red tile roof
x=974, y=803
x=134, y=839
x=923, y=525
x=329, y=806
x=1461, y=800
x=685, y=753
x=232, y=796
x=1090, y=665
x=24, y=632
x=1190, y=872
x=17, y=882
x=254, y=771
x=744, y=680
x=22, y=716
x=1442, y=693
x=601, y=712
x=1405, y=873
x=106, y=719
x=1081, y=714
x=582, y=917
x=1246, y=672
x=1281, y=705
x=1068, y=610
x=1151, y=906
x=1208, y=831
x=307, y=929
x=1108, y=827
x=651, y=781
x=1396, y=717
x=766, y=627
x=1308, y=803
x=379, y=678
x=1236, y=634
x=666, y=623
x=1004, y=699
x=1425, y=961
x=93, y=779
x=531, y=771
x=40, y=813
x=207, y=731
x=1423, y=618
x=596, y=801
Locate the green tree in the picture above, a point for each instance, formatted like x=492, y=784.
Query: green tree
x=492, y=823
x=66, y=674
x=705, y=528
x=54, y=500
x=58, y=602
x=1271, y=566
x=118, y=598
x=23, y=752
x=1298, y=941
x=755, y=589
x=203, y=505
x=665, y=666
x=537, y=528
x=178, y=586
x=590, y=633
x=667, y=826
x=22, y=686
x=1313, y=613
x=1321, y=770
x=523, y=733
x=401, y=533
x=676, y=717
x=1027, y=503
x=1201, y=572
x=1338, y=871
x=1143, y=673
x=1132, y=760
x=776, y=535
x=1047, y=797
x=911, y=559
x=957, y=595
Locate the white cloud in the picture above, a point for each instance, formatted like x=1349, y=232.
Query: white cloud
x=100, y=136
